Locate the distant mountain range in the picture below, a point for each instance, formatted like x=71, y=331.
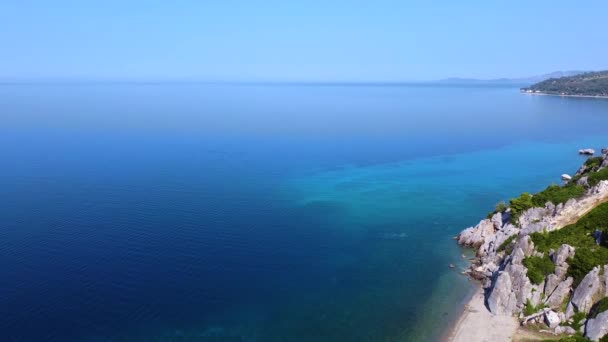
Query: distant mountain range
x=585, y=84
x=513, y=81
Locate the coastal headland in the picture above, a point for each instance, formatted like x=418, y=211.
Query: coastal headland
x=542, y=264
x=587, y=84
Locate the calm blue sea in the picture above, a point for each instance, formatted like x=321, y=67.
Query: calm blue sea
x=193, y=212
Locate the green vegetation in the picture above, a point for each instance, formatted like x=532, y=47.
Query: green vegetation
x=500, y=207
x=564, y=304
x=585, y=259
x=576, y=320
x=572, y=235
x=596, y=177
x=538, y=268
x=530, y=309
x=519, y=205
x=591, y=165
x=593, y=162
x=588, y=253
x=573, y=338
x=599, y=307
x=586, y=84
x=553, y=193
x=503, y=246
x=557, y=194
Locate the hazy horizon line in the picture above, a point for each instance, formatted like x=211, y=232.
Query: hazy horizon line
x=203, y=80
x=244, y=82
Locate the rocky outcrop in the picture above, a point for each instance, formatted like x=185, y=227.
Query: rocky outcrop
x=487, y=235
x=526, y=245
x=498, y=220
x=564, y=330
x=533, y=219
x=567, y=213
x=518, y=256
x=476, y=236
x=597, y=327
x=559, y=258
x=512, y=287
x=562, y=254
x=557, y=288
x=604, y=279
x=511, y=290
x=551, y=283
x=583, y=181
x=587, y=151
x=505, y=277
x=556, y=297
x=587, y=291
x=552, y=319
x=502, y=300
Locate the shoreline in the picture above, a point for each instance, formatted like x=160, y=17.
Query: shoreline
x=477, y=323
x=559, y=95
x=549, y=303
x=449, y=330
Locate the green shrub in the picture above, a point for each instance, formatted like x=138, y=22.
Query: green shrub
x=596, y=177
x=530, y=309
x=599, y=307
x=553, y=193
x=503, y=246
x=538, y=268
x=577, y=234
x=585, y=259
x=557, y=194
x=593, y=162
x=500, y=207
x=595, y=219
x=575, y=323
x=573, y=338
x=571, y=235
x=577, y=319
x=519, y=205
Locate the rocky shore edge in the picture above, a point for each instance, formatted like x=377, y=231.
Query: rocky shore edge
x=515, y=297
x=566, y=95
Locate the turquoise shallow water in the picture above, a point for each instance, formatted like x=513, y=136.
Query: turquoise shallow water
x=260, y=213
x=408, y=212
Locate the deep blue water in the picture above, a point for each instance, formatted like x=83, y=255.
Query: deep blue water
x=189, y=212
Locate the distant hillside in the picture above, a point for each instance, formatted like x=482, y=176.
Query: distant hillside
x=512, y=81
x=586, y=84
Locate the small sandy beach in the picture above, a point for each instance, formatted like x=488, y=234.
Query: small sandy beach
x=477, y=324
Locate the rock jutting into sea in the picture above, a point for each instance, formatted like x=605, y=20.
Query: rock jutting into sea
x=587, y=151
x=547, y=264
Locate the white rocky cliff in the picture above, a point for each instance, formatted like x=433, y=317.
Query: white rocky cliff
x=501, y=248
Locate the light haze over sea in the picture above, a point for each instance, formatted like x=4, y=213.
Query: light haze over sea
x=143, y=212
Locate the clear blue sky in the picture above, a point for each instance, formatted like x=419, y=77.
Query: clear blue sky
x=318, y=40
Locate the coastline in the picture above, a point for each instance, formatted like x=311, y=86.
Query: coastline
x=450, y=329
x=477, y=323
x=559, y=95
x=508, y=254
